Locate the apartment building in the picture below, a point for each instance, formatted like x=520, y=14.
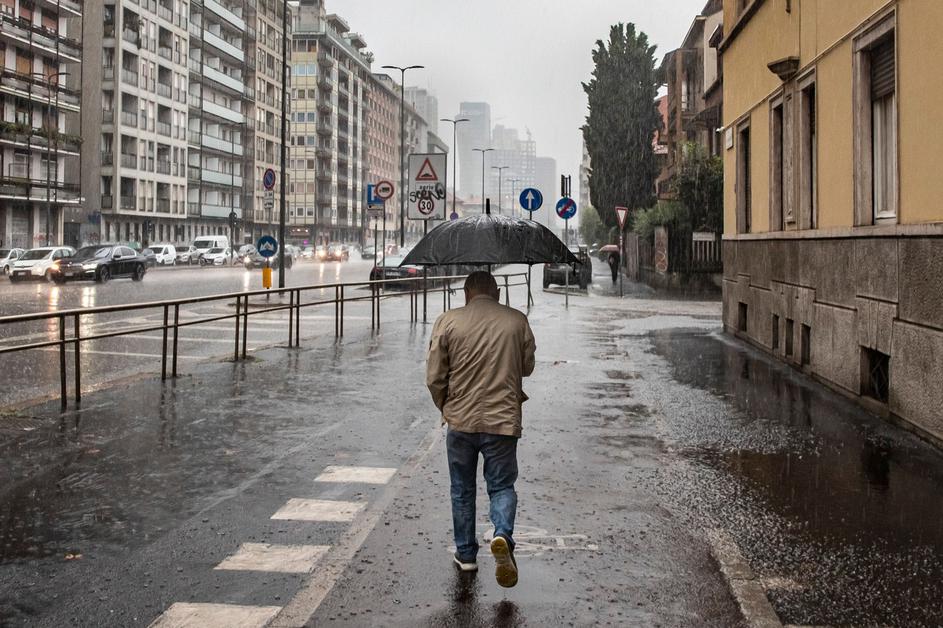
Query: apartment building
x=41, y=58
x=328, y=147
x=833, y=244
x=476, y=133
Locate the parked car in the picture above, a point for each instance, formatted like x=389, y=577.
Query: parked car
x=188, y=256
x=389, y=268
x=254, y=260
x=150, y=258
x=165, y=254
x=579, y=275
x=36, y=263
x=7, y=257
x=337, y=253
x=216, y=257
x=101, y=263
x=205, y=243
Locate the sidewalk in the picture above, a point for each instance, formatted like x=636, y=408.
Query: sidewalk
x=668, y=476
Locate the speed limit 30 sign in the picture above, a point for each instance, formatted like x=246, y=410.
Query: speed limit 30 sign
x=427, y=181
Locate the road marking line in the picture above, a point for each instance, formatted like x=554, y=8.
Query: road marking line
x=124, y=353
x=306, y=602
x=361, y=475
x=278, y=558
x=192, y=615
x=319, y=510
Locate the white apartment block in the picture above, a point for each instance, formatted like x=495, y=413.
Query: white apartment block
x=40, y=57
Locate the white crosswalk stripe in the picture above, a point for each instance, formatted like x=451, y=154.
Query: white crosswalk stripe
x=191, y=615
x=354, y=475
x=319, y=510
x=277, y=558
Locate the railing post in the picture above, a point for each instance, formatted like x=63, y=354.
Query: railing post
x=291, y=318
x=245, y=326
x=425, y=294
x=298, y=317
x=78, y=360
x=445, y=296
x=337, y=304
x=342, y=310
x=163, y=347
x=238, y=312
x=379, y=294
x=173, y=370
x=62, y=386
x=507, y=292
x=373, y=309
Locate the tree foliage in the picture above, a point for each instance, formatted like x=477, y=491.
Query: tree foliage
x=699, y=186
x=592, y=229
x=621, y=123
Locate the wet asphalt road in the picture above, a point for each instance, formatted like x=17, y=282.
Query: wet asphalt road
x=646, y=430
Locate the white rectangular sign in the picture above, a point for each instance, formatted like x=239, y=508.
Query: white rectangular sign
x=427, y=197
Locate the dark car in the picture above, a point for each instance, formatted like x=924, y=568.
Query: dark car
x=579, y=274
x=150, y=258
x=338, y=253
x=252, y=259
x=101, y=263
x=389, y=268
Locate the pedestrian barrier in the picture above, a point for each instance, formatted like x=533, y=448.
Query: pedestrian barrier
x=416, y=288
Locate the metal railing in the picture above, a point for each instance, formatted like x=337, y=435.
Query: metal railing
x=417, y=289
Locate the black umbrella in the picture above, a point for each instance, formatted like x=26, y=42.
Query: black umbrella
x=489, y=239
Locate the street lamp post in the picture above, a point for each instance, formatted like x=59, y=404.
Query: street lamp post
x=482, y=151
x=500, y=170
x=455, y=122
x=49, y=78
x=282, y=208
x=402, y=145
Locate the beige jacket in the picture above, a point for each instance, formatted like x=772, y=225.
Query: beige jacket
x=477, y=357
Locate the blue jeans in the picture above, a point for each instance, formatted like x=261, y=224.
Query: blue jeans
x=500, y=454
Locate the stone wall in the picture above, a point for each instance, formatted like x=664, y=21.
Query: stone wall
x=845, y=296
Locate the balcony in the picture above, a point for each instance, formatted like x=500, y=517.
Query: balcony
x=221, y=145
x=163, y=166
x=129, y=161
x=225, y=13
x=324, y=128
x=193, y=173
x=222, y=112
x=165, y=90
x=221, y=178
x=108, y=116
x=223, y=79
x=164, y=128
x=165, y=13
x=325, y=60
x=196, y=30
x=163, y=205
x=324, y=106
x=131, y=36
x=129, y=77
x=165, y=52
x=38, y=89
x=195, y=65
x=129, y=118
x=224, y=46
x=193, y=137
x=325, y=84
x=129, y=202
x=108, y=159
x=28, y=35
x=323, y=174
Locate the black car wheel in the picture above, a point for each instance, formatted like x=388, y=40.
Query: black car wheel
x=103, y=275
x=138, y=274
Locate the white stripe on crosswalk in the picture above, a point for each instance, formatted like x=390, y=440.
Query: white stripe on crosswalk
x=362, y=475
x=190, y=615
x=318, y=510
x=278, y=558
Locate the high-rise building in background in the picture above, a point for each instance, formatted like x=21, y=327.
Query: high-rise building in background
x=547, y=181
x=519, y=159
x=585, y=167
x=38, y=146
x=473, y=134
x=331, y=75
x=426, y=105
x=189, y=116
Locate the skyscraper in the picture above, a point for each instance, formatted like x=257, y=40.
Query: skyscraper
x=473, y=134
x=426, y=105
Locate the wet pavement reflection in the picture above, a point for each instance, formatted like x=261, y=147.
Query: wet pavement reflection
x=838, y=507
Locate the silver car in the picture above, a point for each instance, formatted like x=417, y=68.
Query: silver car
x=7, y=257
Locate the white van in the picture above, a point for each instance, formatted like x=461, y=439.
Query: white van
x=205, y=243
x=166, y=254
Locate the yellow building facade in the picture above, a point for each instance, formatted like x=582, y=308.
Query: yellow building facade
x=833, y=243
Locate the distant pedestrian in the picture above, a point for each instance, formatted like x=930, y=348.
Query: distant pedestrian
x=478, y=356
x=614, y=259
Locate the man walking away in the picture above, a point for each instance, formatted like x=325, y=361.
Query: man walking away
x=477, y=357
x=614, y=265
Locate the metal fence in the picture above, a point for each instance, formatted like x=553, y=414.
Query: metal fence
x=417, y=290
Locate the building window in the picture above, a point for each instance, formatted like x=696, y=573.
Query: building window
x=875, y=131
x=808, y=156
x=744, y=203
x=777, y=161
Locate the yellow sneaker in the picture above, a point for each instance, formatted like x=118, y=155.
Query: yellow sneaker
x=505, y=571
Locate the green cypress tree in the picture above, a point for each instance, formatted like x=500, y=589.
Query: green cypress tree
x=622, y=121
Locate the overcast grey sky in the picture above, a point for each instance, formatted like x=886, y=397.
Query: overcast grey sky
x=524, y=57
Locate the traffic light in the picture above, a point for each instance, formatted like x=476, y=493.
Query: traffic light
x=565, y=186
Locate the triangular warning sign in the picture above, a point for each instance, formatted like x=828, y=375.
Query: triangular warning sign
x=621, y=213
x=427, y=172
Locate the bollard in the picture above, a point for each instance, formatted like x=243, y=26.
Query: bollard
x=267, y=277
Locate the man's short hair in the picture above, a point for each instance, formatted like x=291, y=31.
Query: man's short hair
x=481, y=282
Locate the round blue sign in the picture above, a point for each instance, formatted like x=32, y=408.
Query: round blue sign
x=267, y=246
x=268, y=179
x=566, y=208
x=531, y=199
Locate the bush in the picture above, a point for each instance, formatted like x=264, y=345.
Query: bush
x=663, y=214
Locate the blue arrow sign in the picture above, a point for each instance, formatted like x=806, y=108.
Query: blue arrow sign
x=267, y=246
x=531, y=199
x=566, y=208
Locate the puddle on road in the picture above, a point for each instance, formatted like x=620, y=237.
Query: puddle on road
x=845, y=504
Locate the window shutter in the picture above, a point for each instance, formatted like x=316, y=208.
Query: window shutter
x=882, y=69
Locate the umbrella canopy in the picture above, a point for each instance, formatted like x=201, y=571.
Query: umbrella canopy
x=610, y=248
x=490, y=239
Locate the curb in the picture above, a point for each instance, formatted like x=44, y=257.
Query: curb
x=743, y=583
